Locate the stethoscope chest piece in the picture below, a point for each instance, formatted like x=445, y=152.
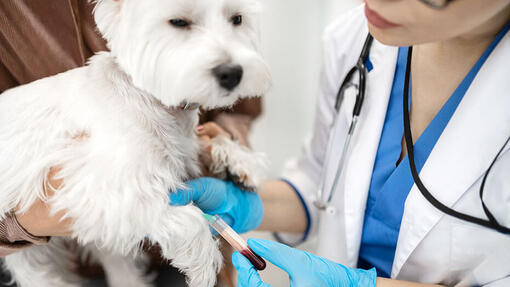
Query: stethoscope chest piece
x=323, y=206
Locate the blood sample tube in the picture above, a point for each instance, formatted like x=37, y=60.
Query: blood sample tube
x=235, y=240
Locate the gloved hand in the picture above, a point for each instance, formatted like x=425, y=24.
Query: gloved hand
x=240, y=209
x=304, y=269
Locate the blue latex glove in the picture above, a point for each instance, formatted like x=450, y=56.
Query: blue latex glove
x=240, y=209
x=304, y=269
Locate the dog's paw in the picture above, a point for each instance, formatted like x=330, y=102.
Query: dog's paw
x=186, y=241
x=243, y=166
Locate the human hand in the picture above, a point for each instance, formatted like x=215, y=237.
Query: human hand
x=206, y=133
x=211, y=130
x=240, y=209
x=38, y=221
x=304, y=269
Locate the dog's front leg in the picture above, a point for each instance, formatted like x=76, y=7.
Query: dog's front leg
x=185, y=239
x=244, y=166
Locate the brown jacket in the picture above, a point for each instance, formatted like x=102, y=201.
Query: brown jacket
x=43, y=38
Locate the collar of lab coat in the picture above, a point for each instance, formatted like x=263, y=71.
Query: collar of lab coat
x=465, y=150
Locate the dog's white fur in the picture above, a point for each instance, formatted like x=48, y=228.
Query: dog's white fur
x=122, y=145
x=242, y=165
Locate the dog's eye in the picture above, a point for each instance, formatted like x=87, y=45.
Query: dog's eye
x=237, y=20
x=179, y=23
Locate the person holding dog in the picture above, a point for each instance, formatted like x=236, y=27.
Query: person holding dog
x=405, y=179
x=41, y=39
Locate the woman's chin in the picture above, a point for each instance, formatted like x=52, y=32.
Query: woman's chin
x=401, y=37
x=392, y=37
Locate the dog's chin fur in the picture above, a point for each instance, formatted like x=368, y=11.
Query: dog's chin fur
x=121, y=147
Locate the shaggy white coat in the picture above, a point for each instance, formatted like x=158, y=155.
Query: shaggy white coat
x=114, y=129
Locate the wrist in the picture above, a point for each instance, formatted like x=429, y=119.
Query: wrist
x=364, y=277
x=30, y=222
x=14, y=231
x=256, y=213
x=283, y=209
x=248, y=212
x=39, y=222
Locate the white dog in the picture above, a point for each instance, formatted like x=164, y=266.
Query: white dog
x=116, y=130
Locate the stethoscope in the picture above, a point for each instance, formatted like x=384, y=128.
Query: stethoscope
x=323, y=201
x=361, y=70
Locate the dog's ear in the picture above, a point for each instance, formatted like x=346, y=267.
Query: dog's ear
x=106, y=15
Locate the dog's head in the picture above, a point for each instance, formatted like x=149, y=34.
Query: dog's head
x=187, y=51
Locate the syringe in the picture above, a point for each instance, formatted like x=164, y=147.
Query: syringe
x=235, y=240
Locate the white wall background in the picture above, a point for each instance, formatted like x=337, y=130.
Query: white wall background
x=291, y=43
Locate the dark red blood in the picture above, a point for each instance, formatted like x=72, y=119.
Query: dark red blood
x=256, y=260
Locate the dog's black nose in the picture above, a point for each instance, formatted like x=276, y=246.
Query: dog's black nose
x=228, y=75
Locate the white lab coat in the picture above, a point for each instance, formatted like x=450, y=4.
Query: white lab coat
x=432, y=247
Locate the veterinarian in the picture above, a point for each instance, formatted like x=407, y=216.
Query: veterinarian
x=439, y=216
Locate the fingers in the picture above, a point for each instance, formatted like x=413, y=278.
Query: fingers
x=205, y=143
x=181, y=197
x=186, y=196
x=204, y=138
x=207, y=193
x=279, y=254
x=247, y=275
x=212, y=130
x=206, y=133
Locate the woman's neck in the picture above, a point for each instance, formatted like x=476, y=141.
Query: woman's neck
x=465, y=49
x=438, y=68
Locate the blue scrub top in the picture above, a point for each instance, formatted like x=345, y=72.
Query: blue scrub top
x=390, y=182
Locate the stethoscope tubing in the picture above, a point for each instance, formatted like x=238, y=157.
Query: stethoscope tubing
x=343, y=156
x=360, y=67
x=491, y=223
